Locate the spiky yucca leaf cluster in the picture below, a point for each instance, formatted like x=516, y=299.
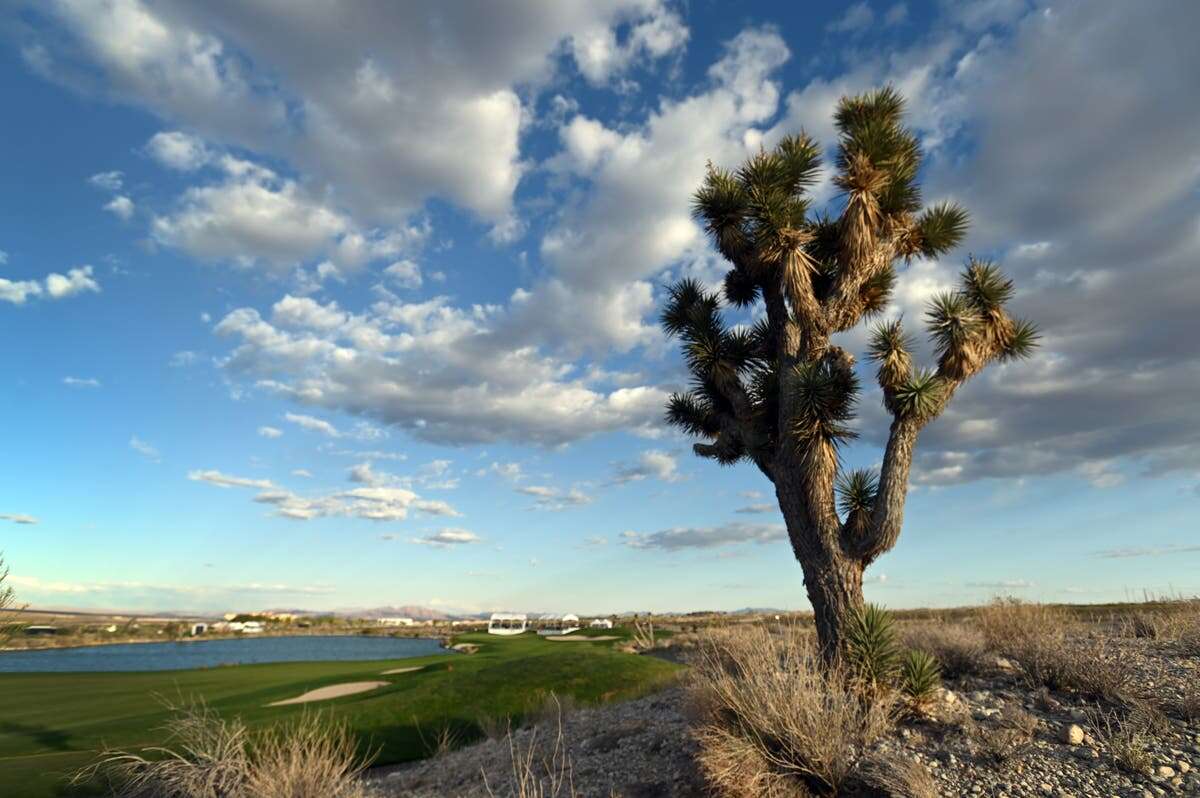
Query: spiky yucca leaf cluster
x=920, y=676
x=871, y=646
x=856, y=491
x=824, y=397
x=718, y=358
x=970, y=326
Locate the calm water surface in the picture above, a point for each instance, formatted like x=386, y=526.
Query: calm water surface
x=210, y=653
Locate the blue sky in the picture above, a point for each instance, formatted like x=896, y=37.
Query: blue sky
x=325, y=309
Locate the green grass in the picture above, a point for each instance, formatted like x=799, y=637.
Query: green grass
x=53, y=723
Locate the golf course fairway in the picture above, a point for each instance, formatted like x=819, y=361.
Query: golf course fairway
x=51, y=724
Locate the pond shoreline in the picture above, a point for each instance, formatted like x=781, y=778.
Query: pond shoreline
x=168, y=655
x=50, y=643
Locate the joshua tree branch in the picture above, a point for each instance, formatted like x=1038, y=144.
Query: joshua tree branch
x=844, y=306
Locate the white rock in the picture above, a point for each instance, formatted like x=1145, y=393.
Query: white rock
x=1071, y=734
x=1164, y=772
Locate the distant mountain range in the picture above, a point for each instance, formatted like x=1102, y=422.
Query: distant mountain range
x=417, y=613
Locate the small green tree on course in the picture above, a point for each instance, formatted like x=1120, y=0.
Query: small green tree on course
x=8, y=603
x=779, y=394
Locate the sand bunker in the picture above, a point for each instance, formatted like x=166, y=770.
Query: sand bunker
x=563, y=639
x=332, y=691
x=403, y=670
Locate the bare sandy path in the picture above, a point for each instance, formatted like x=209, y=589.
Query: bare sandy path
x=331, y=691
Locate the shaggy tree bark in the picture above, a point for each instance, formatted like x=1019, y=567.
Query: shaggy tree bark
x=779, y=394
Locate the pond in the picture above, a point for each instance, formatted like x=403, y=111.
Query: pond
x=211, y=653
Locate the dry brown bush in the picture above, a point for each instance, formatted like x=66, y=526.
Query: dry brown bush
x=1126, y=738
x=958, y=648
x=896, y=776
x=1009, y=623
x=208, y=757
x=310, y=758
x=1007, y=740
x=776, y=721
x=1037, y=638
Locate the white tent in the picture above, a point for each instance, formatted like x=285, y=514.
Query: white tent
x=601, y=623
x=507, y=623
x=558, y=624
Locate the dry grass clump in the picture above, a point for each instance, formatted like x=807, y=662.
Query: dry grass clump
x=1036, y=636
x=774, y=720
x=1178, y=622
x=537, y=773
x=208, y=757
x=305, y=759
x=1126, y=738
x=960, y=650
x=1009, y=739
x=895, y=776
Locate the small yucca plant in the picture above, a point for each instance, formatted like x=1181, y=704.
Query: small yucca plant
x=920, y=677
x=871, y=646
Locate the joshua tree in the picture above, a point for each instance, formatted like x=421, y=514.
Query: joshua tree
x=779, y=394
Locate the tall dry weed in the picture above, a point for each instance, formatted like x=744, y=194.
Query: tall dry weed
x=537, y=773
x=206, y=756
x=959, y=649
x=774, y=720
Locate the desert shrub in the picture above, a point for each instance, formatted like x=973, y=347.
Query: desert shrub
x=208, y=757
x=310, y=758
x=1006, y=741
x=1126, y=738
x=1036, y=637
x=1144, y=625
x=896, y=776
x=1009, y=624
x=1188, y=707
x=959, y=649
x=919, y=677
x=871, y=647
x=773, y=720
x=8, y=602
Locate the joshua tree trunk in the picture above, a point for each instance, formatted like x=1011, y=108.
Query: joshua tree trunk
x=778, y=393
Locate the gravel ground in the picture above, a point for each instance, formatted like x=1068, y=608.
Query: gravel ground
x=636, y=749
x=971, y=741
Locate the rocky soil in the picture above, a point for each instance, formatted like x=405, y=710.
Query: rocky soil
x=986, y=735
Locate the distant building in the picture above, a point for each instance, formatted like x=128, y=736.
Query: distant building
x=251, y=627
x=601, y=623
x=41, y=630
x=508, y=623
x=396, y=622
x=199, y=629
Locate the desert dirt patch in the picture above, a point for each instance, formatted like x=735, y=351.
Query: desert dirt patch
x=599, y=639
x=330, y=691
x=403, y=670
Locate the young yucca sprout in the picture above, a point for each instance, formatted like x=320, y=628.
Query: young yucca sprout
x=920, y=677
x=871, y=646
